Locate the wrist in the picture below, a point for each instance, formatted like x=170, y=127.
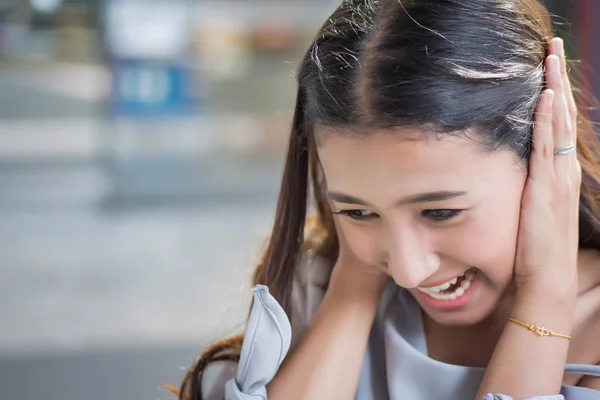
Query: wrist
x=544, y=308
x=547, y=295
x=558, y=287
x=357, y=288
x=514, y=368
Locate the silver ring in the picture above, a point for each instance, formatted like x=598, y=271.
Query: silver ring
x=561, y=151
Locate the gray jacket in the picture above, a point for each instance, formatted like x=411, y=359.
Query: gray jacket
x=396, y=363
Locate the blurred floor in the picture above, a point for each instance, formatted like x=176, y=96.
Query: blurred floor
x=87, y=298
x=109, y=375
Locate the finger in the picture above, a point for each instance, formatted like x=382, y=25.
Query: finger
x=542, y=149
x=560, y=117
x=572, y=174
x=559, y=49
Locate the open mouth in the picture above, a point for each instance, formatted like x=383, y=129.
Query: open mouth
x=452, y=289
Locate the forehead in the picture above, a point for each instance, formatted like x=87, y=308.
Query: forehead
x=412, y=158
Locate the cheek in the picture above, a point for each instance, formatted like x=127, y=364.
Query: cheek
x=488, y=243
x=362, y=241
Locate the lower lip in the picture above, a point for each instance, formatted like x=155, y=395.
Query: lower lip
x=452, y=304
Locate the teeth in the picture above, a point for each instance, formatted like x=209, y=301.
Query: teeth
x=460, y=291
x=444, y=286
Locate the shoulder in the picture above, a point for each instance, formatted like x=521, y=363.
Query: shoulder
x=312, y=270
x=588, y=262
x=214, y=378
x=592, y=326
x=585, y=347
x=310, y=281
x=587, y=308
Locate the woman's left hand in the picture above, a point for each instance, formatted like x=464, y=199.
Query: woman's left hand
x=546, y=259
x=547, y=246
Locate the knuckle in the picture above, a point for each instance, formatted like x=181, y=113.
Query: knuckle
x=573, y=109
x=546, y=150
x=567, y=125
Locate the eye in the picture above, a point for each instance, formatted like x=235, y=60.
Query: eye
x=356, y=214
x=441, y=215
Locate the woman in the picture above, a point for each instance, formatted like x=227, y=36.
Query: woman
x=452, y=216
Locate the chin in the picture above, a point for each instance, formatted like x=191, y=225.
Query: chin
x=459, y=318
x=480, y=307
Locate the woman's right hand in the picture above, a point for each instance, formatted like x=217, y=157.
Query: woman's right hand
x=326, y=362
x=353, y=277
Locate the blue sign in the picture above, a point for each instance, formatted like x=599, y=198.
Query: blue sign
x=151, y=89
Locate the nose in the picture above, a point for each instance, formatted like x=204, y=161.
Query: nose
x=411, y=258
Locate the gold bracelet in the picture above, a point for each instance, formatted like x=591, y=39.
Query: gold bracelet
x=541, y=331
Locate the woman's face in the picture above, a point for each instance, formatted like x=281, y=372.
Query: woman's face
x=426, y=211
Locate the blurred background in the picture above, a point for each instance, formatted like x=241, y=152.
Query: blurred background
x=141, y=144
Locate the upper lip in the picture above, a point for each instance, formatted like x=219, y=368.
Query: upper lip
x=441, y=282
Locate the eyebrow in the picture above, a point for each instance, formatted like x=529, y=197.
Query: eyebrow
x=417, y=198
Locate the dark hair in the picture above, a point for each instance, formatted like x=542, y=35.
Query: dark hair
x=440, y=65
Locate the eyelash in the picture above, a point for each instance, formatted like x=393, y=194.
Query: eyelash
x=435, y=215
x=353, y=214
x=442, y=214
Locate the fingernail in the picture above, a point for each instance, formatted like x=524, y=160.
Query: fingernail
x=554, y=66
x=561, y=47
x=548, y=96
